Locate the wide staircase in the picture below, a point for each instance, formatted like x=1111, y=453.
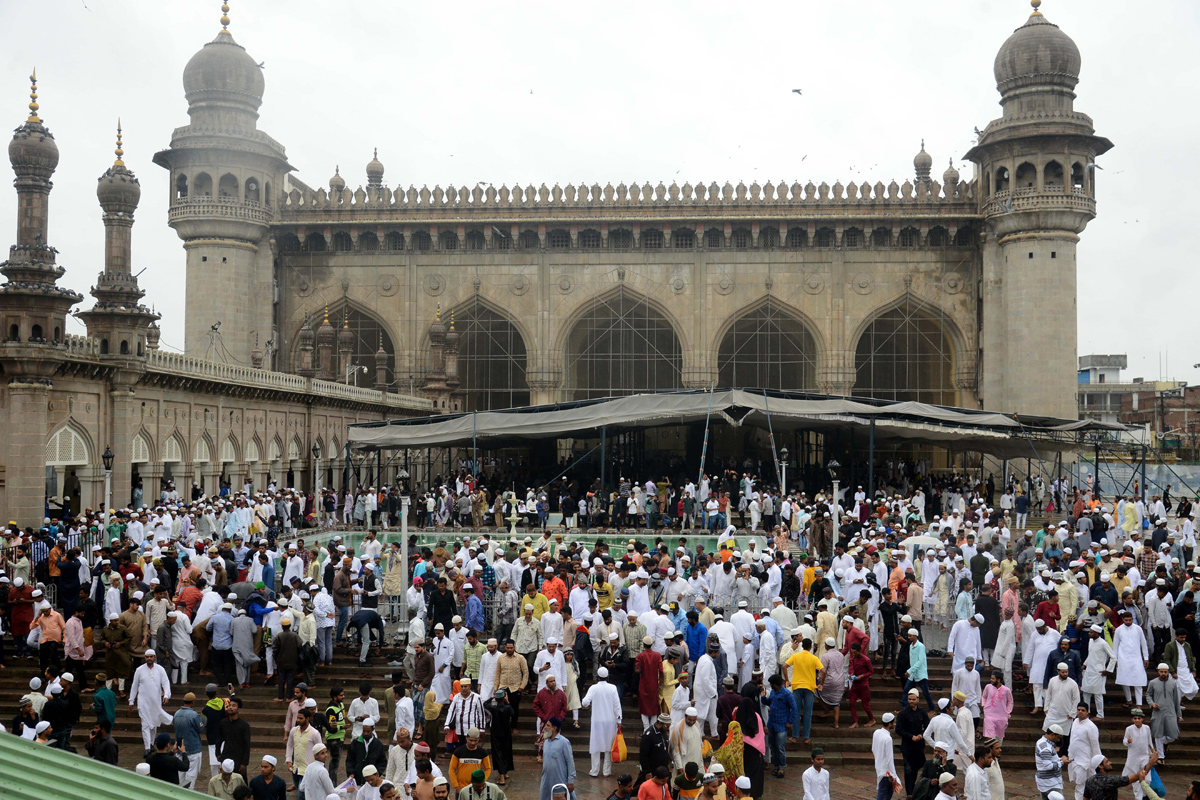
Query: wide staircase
x=844, y=748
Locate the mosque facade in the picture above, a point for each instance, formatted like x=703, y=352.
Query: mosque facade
x=941, y=289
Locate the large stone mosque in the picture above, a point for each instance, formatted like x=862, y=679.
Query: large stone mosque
x=310, y=308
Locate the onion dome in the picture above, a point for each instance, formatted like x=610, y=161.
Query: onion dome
x=375, y=170
x=222, y=73
x=305, y=337
x=153, y=334
x=1037, y=54
x=437, y=330
x=336, y=183
x=325, y=331
x=33, y=152
x=951, y=174
x=345, y=337
x=118, y=189
x=923, y=162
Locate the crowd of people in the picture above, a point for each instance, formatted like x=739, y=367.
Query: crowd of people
x=728, y=656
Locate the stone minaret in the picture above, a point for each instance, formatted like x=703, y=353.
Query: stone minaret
x=325, y=337
x=33, y=314
x=345, y=345
x=435, y=379
x=225, y=175
x=118, y=319
x=381, y=367
x=923, y=164
x=305, y=339
x=1037, y=195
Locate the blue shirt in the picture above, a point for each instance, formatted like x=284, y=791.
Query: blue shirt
x=918, y=668
x=696, y=637
x=188, y=725
x=221, y=627
x=474, y=615
x=783, y=709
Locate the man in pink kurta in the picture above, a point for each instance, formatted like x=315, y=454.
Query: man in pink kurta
x=997, y=707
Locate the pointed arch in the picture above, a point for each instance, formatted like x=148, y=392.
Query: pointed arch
x=69, y=444
x=492, y=355
x=275, y=453
x=141, y=450
x=203, y=450
x=229, y=450
x=337, y=448
x=370, y=330
x=295, y=449
x=174, y=450
x=907, y=350
x=620, y=342
x=768, y=345
x=253, y=450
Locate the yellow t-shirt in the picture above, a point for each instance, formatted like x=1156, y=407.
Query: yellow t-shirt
x=804, y=666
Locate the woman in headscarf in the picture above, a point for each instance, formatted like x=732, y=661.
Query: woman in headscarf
x=754, y=739
x=729, y=755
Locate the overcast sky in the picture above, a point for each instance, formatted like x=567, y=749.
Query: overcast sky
x=546, y=92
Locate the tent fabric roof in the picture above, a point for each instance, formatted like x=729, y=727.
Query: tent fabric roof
x=30, y=771
x=955, y=428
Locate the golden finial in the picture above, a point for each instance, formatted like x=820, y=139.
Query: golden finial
x=451, y=319
x=326, y=315
x=439, y=313
x=346, y=318
x=119, y=151
x=1035, y=4
x=225, y=16
x=33, y=103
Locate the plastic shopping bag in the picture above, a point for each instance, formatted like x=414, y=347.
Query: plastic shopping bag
x=619, y=752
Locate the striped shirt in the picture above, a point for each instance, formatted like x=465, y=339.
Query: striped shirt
x=1048, y=764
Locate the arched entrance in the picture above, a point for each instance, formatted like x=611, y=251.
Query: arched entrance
x=621, y=345
x=66, y=451
x=491, y=358
x=768, y=348
x=906, y=353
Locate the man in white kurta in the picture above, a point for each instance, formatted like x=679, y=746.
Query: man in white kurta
x=686, y=742
x=149, y=689
x=966, y=680
x=1040, y=645
x=768, y=653
x=1085, y=744
x=942, y=728
x=964, y=641
x=1100, y=662
x=681, y=700
x=1062, y=698
x=966, y=731
x=551, y=662
x=1133, y=656
x=705, y=691
x=605, y=703
x=442, y=684
x=487, y=669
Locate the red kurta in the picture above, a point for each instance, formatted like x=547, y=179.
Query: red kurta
x=22, y=609
x=650, y=663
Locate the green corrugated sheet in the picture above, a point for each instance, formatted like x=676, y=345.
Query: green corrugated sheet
x=31, y=771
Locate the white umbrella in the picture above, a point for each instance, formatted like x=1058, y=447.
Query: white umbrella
x=921, y=541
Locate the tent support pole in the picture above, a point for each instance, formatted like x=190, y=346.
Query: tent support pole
x=707, y=418
x=871, y=463
x=771, y=431
x=603, y=462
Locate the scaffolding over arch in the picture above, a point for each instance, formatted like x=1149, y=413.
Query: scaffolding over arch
x=492, y=358
x=621, y=344
x=768, y=347
x=906, y=353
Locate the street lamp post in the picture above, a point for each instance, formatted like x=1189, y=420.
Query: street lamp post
x=833, y=468
x=316, y=451
x=783, y=454
x=107, y=458
x=402, y=476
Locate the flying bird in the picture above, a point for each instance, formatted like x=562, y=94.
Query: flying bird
x=1094, y=166
x=262, y=65
x=977, y=131
x=798, y=91
x=805, y=156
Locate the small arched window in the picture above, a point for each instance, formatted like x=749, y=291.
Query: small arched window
x=987, y=182
x=881, y=237
x=141, y=349
x=228, y=187
x=475, y=240
x=267, y=194
x=314, y=243
x=797, y=237
x=202, y=185
x=181, y=187
x=768, y=238
x=448, y=240
x=1052, y=176
x=853, y=237
x=342, y=242
x=35, y=334
x=1077, y=175
x=253, y=195
x=395, y=241
x=652, y=240
x=964, y=237
x=589, y=240
x=422, y=243
x=826, y=237
x=741, y=238
x=368, y=241
x=1026, y=176
x=910, y=237
x=57, y=334
x=529, y=240
x=714, y=239
x=939, y=237
x=289, y=243
x=501, y=241
x=683, y=239
x=620, y=239
x=104, y=347
x=558, y=239
x=1002, y=182
x=124, y=347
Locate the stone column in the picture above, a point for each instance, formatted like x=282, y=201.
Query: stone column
x=211, y=478
x=91, y=485
x=151, y=474
x=120, y=439
x=25, y=473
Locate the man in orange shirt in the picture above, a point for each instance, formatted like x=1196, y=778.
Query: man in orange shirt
x=52, y=626
x=553, y=588
x=656, y=787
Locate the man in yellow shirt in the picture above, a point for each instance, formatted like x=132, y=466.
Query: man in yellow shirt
x=807, y=675
x=538, y=600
